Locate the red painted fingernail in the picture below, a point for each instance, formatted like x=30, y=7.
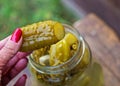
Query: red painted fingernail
x=25, y=76
x=16, y=35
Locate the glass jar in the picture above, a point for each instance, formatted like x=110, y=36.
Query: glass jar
x=69, y=73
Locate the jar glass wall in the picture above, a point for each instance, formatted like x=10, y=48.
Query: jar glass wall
x=68, y=73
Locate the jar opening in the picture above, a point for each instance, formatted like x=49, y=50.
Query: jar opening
x=70, y=63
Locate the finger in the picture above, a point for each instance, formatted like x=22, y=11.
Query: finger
x=11, y=47
x=13, y=61
x=21, y=64
x=2, y=42
x=18, y=67
x=21, y=81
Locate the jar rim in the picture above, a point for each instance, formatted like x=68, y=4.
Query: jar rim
x=59, y=68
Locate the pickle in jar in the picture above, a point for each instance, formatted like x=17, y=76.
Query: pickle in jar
x=63, y=50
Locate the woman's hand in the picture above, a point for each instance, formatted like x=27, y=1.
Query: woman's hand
x=12, y=62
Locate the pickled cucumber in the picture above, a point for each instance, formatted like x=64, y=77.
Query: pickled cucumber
x=63, y=50
x=41, y=34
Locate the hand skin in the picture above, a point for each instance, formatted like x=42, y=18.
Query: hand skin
x=12, y=62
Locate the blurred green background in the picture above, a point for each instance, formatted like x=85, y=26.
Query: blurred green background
x=17, y=13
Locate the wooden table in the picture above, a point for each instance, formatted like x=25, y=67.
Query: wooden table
x=105, y=46
x=108, y=10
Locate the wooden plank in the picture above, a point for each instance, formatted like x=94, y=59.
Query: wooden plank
x=108, y=10
x=105, y=46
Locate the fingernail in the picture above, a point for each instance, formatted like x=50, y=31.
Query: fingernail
x=25, y=76
x=16, y=35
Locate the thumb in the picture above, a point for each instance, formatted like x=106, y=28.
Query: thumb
x=11, y=47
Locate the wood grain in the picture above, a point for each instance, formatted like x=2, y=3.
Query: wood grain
x=105, y=46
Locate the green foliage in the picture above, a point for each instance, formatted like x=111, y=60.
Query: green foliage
x=17, y=13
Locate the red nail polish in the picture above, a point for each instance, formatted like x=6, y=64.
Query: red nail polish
x=16, y=35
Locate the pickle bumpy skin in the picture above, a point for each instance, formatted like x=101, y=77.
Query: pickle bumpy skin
x=41, y=34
